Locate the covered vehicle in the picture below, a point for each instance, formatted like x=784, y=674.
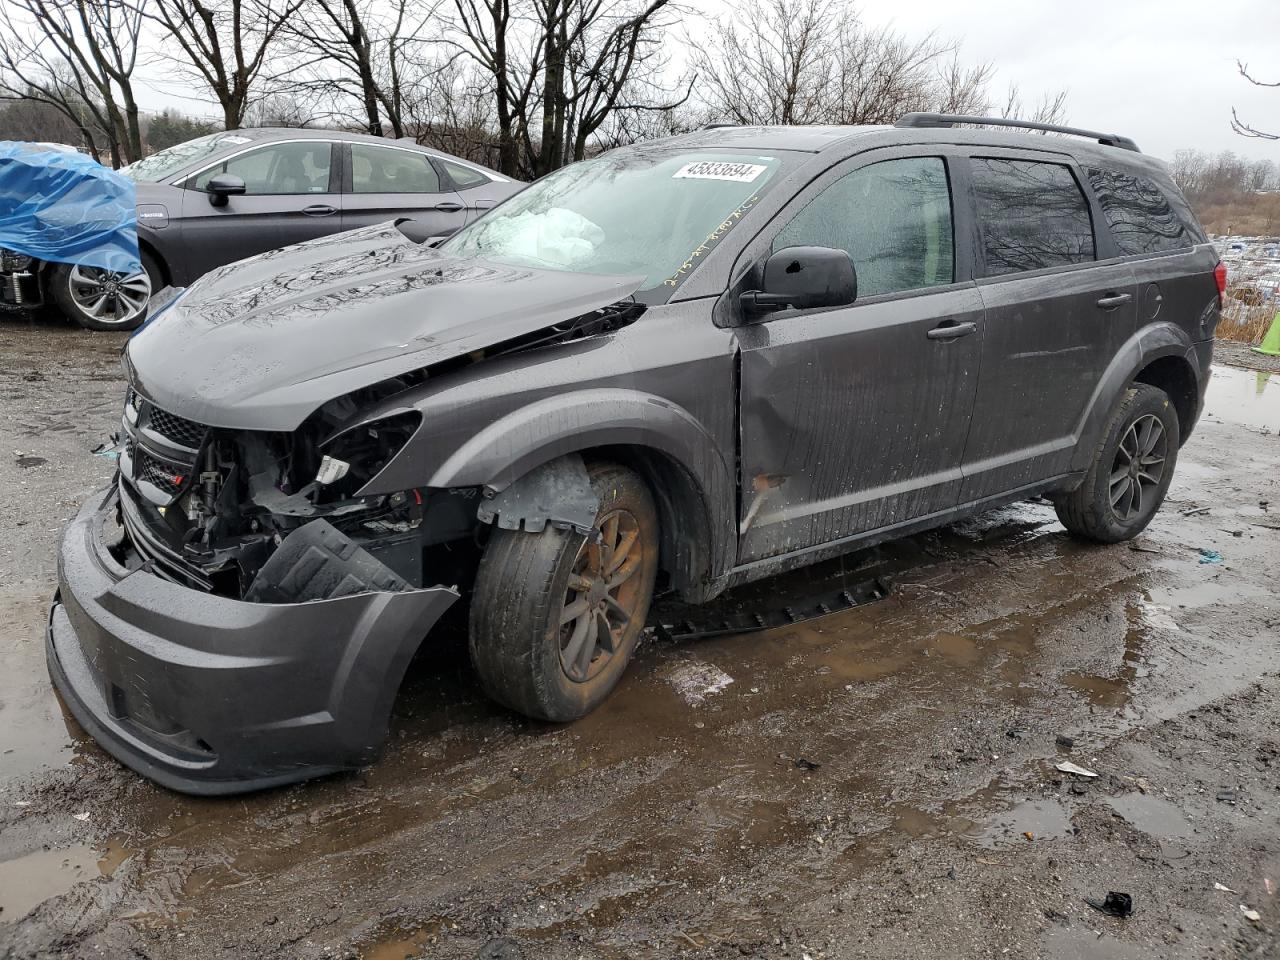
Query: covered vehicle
x=68, y=233
x=680, y=366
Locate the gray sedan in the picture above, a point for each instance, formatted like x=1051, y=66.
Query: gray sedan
x=231, y=195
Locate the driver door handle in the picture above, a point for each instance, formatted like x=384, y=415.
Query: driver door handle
x=448, y=207
x=319, y=210
x=952, y=330
x=1113, y=300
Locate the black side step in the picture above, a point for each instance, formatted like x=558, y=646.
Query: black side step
x=795, y=611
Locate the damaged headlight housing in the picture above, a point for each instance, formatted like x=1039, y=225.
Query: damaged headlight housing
x=353, y=456
x=11, y=260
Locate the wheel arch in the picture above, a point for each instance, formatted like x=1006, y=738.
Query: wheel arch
x=1177, y=377
x=166, y=274
x=675, y=454
x=1156, y=354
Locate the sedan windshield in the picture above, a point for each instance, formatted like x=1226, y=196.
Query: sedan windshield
x=629, y=214
x=164, y=163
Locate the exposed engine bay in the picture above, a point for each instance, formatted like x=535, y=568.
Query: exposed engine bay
x=279, y=517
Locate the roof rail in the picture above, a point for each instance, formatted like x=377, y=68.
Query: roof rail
x=951, y=120
x=718, y=125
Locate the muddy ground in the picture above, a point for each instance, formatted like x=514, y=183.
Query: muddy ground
x=877, y=783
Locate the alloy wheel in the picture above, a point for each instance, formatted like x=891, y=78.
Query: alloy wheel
x=112, y=298
x=1138, y=467
x=602, y=597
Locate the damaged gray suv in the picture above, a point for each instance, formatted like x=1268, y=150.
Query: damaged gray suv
x=680, y=366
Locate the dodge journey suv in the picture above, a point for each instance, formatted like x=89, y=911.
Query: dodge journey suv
x=680, y=366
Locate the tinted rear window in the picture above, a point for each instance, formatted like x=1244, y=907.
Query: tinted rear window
x=1142, y=219
x=1033, y=215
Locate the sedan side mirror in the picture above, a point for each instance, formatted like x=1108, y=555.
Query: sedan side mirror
x=222, y=186
x=803, y=278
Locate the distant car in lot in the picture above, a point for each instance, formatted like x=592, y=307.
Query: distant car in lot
x=227, y=196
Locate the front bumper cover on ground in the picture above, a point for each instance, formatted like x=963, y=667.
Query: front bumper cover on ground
x=210, y=695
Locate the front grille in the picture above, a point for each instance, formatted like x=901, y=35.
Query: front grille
x=154, y=472
x=161, y=449
x=172, y=427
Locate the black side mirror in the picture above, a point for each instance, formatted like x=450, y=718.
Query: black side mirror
x=804, y=278
x=222, y=186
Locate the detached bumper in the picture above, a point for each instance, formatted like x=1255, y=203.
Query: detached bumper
x=209, y=695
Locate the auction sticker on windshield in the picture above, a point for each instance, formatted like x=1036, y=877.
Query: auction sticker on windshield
x=720, y=170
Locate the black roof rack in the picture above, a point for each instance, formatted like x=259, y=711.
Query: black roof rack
x=950, y=120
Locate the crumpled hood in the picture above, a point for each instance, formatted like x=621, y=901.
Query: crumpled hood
x=260, y=344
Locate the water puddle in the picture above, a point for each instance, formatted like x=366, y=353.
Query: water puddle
x=400, y=944
x=1246, y=397
x=1080, y=943
x=1112, y=692
x=113, y=857
x=29, y=881
x=1152, y=815
x=34, y=733
x=1029, y=821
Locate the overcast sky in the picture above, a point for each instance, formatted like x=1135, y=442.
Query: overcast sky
x=1160, y=71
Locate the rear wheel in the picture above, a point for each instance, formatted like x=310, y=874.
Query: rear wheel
x=555, y=616
x=98, y=299
x=1131, y=470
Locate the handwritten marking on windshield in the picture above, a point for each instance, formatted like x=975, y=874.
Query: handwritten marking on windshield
x=712, y=239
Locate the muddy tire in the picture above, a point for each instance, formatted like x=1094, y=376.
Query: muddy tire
x=542, y=602
x=124, y=299
x=1130, y=472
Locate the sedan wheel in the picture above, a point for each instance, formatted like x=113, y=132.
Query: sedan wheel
x=111, y=299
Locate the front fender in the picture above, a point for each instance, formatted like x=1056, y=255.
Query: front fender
x=1149, y=344
x=581, y=420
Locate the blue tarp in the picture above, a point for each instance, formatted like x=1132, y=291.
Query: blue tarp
x=67, y=208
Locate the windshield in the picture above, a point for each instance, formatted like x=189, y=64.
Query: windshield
x=628, y=214
x=163, y=164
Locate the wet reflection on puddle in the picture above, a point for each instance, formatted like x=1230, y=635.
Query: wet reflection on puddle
x=1152, y=815
x=1031, y=820
x=29, y=881
x=1081, y=943
x=1247, y=397
x=399, y=944
x=1113, y=692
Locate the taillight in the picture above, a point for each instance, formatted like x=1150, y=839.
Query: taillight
x=1220, y=275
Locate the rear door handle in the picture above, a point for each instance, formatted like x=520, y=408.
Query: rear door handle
x=448, y=207
x=1113, y=300
x=319, y=210
x=951, y=330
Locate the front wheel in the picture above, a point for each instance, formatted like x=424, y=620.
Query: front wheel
x=555, y=616
x=98, y=299
x=1131, y=470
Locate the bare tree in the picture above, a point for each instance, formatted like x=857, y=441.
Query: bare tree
x=1050, y=108
x=223, y=44
x=510, y=60
x=367, y=52
x=77, y=56
x=1238, y=125
x=452, y=110
x=559, y=71
x=815, y=61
